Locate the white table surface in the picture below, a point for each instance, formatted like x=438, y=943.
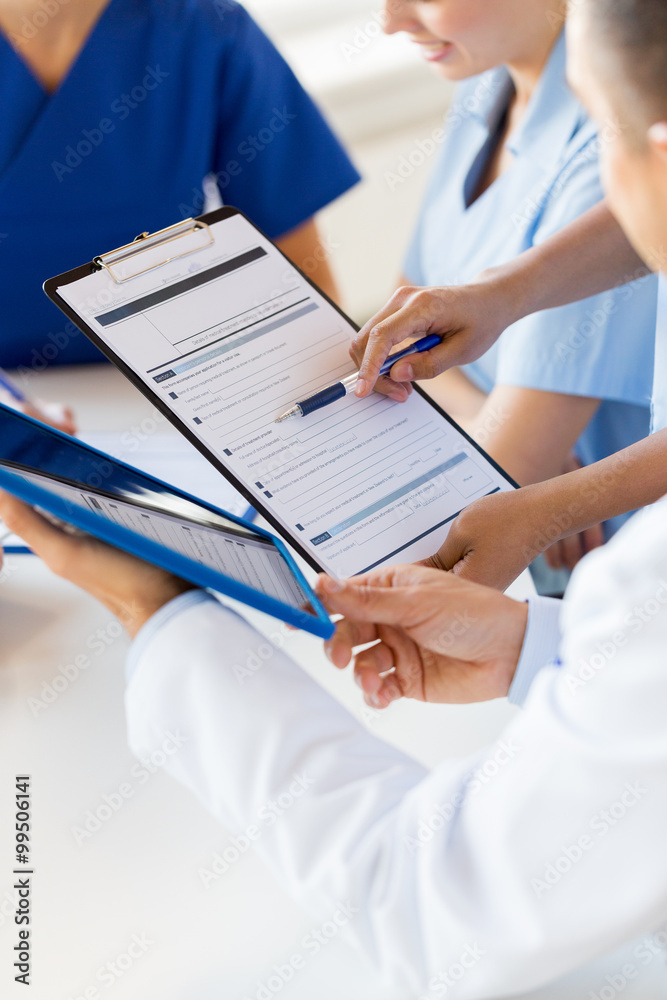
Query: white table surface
x=138, y=874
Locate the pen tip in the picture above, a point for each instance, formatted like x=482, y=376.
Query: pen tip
x=290, y=413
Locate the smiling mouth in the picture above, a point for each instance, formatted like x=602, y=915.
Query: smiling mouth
x=435, y=51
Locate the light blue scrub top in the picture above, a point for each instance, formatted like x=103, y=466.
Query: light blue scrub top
x=660, y=378
x=602, y=347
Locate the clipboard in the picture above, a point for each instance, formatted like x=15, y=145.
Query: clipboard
x=141, y=292
x=111, y=500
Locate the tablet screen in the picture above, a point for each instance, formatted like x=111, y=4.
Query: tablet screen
x=225, y=341
x=84, y=480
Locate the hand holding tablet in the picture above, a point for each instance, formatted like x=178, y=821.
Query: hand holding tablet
x=152, y=521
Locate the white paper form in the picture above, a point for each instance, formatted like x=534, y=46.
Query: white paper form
x=233, y=336
x=241, y=555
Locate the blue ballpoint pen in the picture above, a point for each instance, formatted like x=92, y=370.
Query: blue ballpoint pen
x=11, y=388
x=348, y=384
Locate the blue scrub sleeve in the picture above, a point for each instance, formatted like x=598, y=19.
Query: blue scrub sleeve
x=601, y=347
x=276, y=158
x=413, y=270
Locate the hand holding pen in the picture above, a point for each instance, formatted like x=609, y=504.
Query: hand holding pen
x=349, y=384
x=54, y=414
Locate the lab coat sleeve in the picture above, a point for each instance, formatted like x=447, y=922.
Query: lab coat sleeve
x=540, y=645
x=489, y=876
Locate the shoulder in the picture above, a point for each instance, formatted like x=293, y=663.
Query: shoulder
x=571, y=187
x=581, y=154
x=215, y=19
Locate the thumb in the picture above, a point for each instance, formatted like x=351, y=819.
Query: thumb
x=433, y=562
x=361, y=601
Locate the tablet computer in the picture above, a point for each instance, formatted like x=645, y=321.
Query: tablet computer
x=118, y=504
x=223, y=334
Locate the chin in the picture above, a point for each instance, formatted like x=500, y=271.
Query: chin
x=452, y=71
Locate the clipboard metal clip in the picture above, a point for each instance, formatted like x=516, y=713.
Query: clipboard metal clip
x=148, y=250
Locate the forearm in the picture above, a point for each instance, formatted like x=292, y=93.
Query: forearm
x=630, y=479
x=457, y=395
x=589, y=256
x=585, y=258
x=556, y=420
x=304, y=248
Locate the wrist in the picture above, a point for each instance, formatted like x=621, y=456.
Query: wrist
x=552, y=510
x=509, y=288
x=134, y=612
x=574, y=502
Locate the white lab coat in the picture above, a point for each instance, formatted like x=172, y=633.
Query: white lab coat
x=484, y=877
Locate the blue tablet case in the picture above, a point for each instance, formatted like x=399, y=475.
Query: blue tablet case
x=35, y=437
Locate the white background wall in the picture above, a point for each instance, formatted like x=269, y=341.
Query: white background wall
x=382, y=100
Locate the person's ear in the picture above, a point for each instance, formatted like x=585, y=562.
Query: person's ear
x=657, y=137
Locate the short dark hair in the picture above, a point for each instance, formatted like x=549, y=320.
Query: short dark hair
x=636, y=33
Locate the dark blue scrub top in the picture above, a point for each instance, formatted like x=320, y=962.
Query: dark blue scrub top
x=162, y=94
